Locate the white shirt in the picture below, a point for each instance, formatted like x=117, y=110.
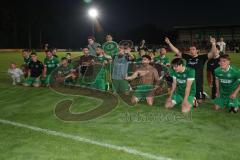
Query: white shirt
x=15, y=72
x=222, y=46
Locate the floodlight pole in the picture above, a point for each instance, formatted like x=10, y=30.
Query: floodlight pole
x=93, y=31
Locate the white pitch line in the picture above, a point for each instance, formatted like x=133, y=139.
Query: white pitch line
x=85, y=140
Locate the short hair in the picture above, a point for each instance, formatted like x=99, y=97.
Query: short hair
x=85, y=47
x=108, y=34
x=147, y=56
x=48, y=50
x=91, y=37
x=33, y=54
x=63, y=58
x=68, y=54
x=25, y=50
x=100, y=47
x=177, y=61
x=225, y=56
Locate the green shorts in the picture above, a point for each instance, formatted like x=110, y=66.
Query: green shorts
x=178, y=99
x=100, y=84
x=120, y=86
x=46, y=81
x=143, y=91
x=32, y=81
x=225, y=101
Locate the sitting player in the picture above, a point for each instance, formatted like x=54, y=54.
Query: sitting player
x=15, y=73
x=65, y=73
x=183, y=87
x=227, y=85
x=35, y=72
x=149, y=81
x=50, y=63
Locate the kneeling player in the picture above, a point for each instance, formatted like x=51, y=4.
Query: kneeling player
x=183, y=87
x=35, y=72
x=227, y=85
x=149, y=79
x=66, y=73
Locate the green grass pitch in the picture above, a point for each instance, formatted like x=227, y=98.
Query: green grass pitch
x=206, y=134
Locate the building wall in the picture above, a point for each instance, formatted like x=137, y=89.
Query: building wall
x=200, y=36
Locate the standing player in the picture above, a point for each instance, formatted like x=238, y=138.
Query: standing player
x=222, y=45
x=138, y=60
x=162, y=59
x=27, y=60
x=35, y=71
x=102, y=79
x=119, y=71
x=227, y=84
x=85, y=61
x=183, y=86
x=195, y=61
x=212, y=64
x=110, y=47
x=50, y=63
x=149, y=81
x=162, y=64
x=92, y=45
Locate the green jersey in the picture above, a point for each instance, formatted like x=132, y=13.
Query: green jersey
x=51, y=64
x=162, y=60
x=181, y=78
x=27, y=60
x=111, y=48
x=228, y=80
x=101, y=59
x=65, y=70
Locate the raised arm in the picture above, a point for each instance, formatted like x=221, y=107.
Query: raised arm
x=213, y=49
x=172, y=47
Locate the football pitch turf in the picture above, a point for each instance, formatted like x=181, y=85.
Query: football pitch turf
x=29, y=129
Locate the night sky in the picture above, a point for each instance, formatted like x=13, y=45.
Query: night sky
x=65, y=23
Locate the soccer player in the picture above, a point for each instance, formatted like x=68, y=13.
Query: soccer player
x=54, y=52
x=143, y=45
x=120, y=71
x=102, y=60
x=138, y=60
x=162, y=59
x=222, y=45
x=50, y=63
x=85, y=61
x=27, y=59
x=92, y=45
x=162, y=64
x=65, y=73
x=183, y=86
x=212, y=64
x=195, y=61
x=110, y=47
x=35, y=71
x=15, y=73
x=69, y=57
x=149, y=81
x=227, y=85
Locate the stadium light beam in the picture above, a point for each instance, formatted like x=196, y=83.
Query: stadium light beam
x=93, y=14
